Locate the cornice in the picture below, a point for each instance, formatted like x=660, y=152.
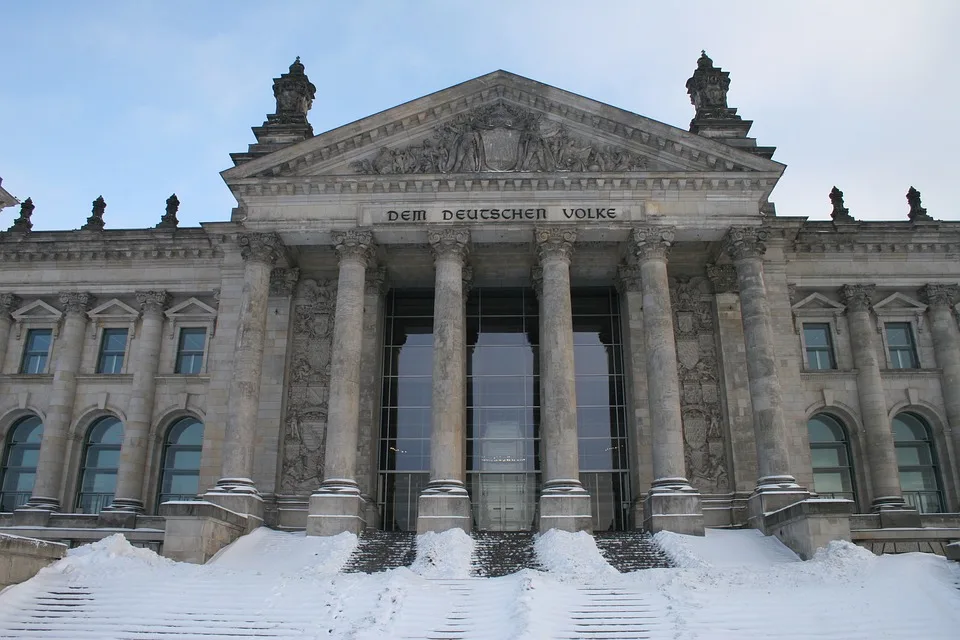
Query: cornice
x=82, y=246
x=877, y=238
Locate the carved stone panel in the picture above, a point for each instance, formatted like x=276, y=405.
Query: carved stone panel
x=698, y=369
x=305, y=422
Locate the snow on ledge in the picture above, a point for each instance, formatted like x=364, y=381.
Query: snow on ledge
x=571, y=555
x=444, y=555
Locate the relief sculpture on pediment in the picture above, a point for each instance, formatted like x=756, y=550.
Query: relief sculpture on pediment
x=699, y=374
x=501, y=137
x=308, y=385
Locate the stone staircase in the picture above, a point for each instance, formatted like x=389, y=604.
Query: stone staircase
x=382, y=550
x=500, y=553
x=631, y=551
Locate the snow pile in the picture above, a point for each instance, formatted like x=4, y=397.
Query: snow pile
x=444, y=555
x=571, y=555
x=112, y=550
x=268, y=551
x=724, y=548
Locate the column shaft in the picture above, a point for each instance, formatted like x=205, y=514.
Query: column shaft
x=564, y=504
x=337, y=506
x=136, y=432
x=444, y=503
x=235, y=489
x=746, y=247
x=8, y=302
x=880, y=450
x=56, y=427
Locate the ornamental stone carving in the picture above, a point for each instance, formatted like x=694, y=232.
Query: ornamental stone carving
x=305, y=420
x=376, y=281
x=743, y=243
x=723, y=277
x=840, y=213
x=857, y=297
x=940, y=295
x=95, y=221
x=294, y=94
x=699, y=375
x=261, y=247
x=917, y=211
x=355, y=244
x=169, y=218
x=651, y=243
x=9, y=302
x=23, y=224
x=502, y=137
x=536, y=279
x=466, y=278
x=154, y=302
x=449, y=242
x=708, y=89
x=555, y=242
x=628, y=278
x=76, y=301
x=283, y=281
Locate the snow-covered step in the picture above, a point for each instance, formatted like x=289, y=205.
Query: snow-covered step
x=630, y=551
x=381, y=550
x=498, y=554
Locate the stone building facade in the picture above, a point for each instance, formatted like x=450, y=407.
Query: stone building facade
x=500, y=306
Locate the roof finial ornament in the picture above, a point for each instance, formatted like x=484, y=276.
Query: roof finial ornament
x=294, y=93
x=917, y=212
x=169, y=219
x=708, y=91
x=23, y=224
x=95, y=221
x=840, y=213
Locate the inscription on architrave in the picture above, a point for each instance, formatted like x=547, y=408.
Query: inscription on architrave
x=699, y=373
x=305, y=422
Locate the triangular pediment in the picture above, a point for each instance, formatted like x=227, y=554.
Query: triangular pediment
x=37, y=310
x=503, y=123
x=898, y=302
x=191, y=308
x=817, y=303
x=115, y=310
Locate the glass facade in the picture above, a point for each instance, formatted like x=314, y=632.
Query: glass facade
x=502, y=407
x=101, y=457
x=20, y=463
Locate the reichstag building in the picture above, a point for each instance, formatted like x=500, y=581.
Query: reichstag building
x=498, y=307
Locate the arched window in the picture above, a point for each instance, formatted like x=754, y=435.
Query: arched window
x=830, y=453
x=181, y=461
x=919, y=476
x=20, y=462
x=101, y=457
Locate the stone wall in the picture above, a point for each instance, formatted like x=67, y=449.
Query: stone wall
x=21, y=558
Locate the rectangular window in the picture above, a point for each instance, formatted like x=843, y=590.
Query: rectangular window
x=190, y=350
x=903, y=350
x=36, y=352
x=112, y=348
x=816, y=338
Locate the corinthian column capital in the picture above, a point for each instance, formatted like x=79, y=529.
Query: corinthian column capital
x=555, y=242
x=940, y=295
x=260, y=247
x=651, y=242
x=449, y=242
x=745, y=242
x=354, y=244
x=628, y=278
x=9, y=302
x=857, y=297
x=152, y=301
x=76, y=301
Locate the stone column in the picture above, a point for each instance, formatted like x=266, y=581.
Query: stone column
x=235, y=489
x=56, y=427
x=672, y=504
x=881, y=454
x=8, y=302
x=564, y=503
x=444, y=503
x=371, y=372
x=136, y=432
x=337, y=505
x=776, y=486
x=940, y=299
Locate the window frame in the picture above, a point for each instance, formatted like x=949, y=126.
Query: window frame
x=8, y=447
x=101, y=351
x=934, y=465
x=846, y=444
x=26, y=353
x=166, y=446
x=831, y=345
x=84, y=453
x=205, y=331
x=911, y=326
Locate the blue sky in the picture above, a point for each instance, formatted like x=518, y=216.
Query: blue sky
x=135, y=100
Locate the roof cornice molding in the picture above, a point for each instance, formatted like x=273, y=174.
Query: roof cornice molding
x=81, y=246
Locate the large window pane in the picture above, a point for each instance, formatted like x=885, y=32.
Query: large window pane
x=182, y=450
x=916, y=457
x=20, y=462
x=830, y=457
x=101, y=457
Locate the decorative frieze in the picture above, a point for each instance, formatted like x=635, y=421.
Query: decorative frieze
x=555, y=242
x=260, y=247
x=743, y=243
x=857, y=297
x=651, y=243
x=283, y=281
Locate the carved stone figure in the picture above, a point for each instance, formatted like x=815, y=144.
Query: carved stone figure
x=917, y=212
x=95, y=221
x=169, y=219
x=840, y=213
x=699, y=374
x=708, y=91
x=500, y=137
x=294, y=94
x=22, y=223
x=305, y=422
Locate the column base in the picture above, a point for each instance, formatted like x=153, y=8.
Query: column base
x=126, y=504
x=772, y=494
x=444, y=505
x=673, y=507
x=564, y=505
x=336, y=507
x=42, y=503
x=238, y=495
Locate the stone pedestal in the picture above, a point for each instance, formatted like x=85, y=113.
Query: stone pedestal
x=672, y=504
x=195, y=531
x=564, y=503
x=444, y=503
x=337, y=506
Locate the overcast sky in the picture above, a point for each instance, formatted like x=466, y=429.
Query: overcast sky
x=136, y=100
